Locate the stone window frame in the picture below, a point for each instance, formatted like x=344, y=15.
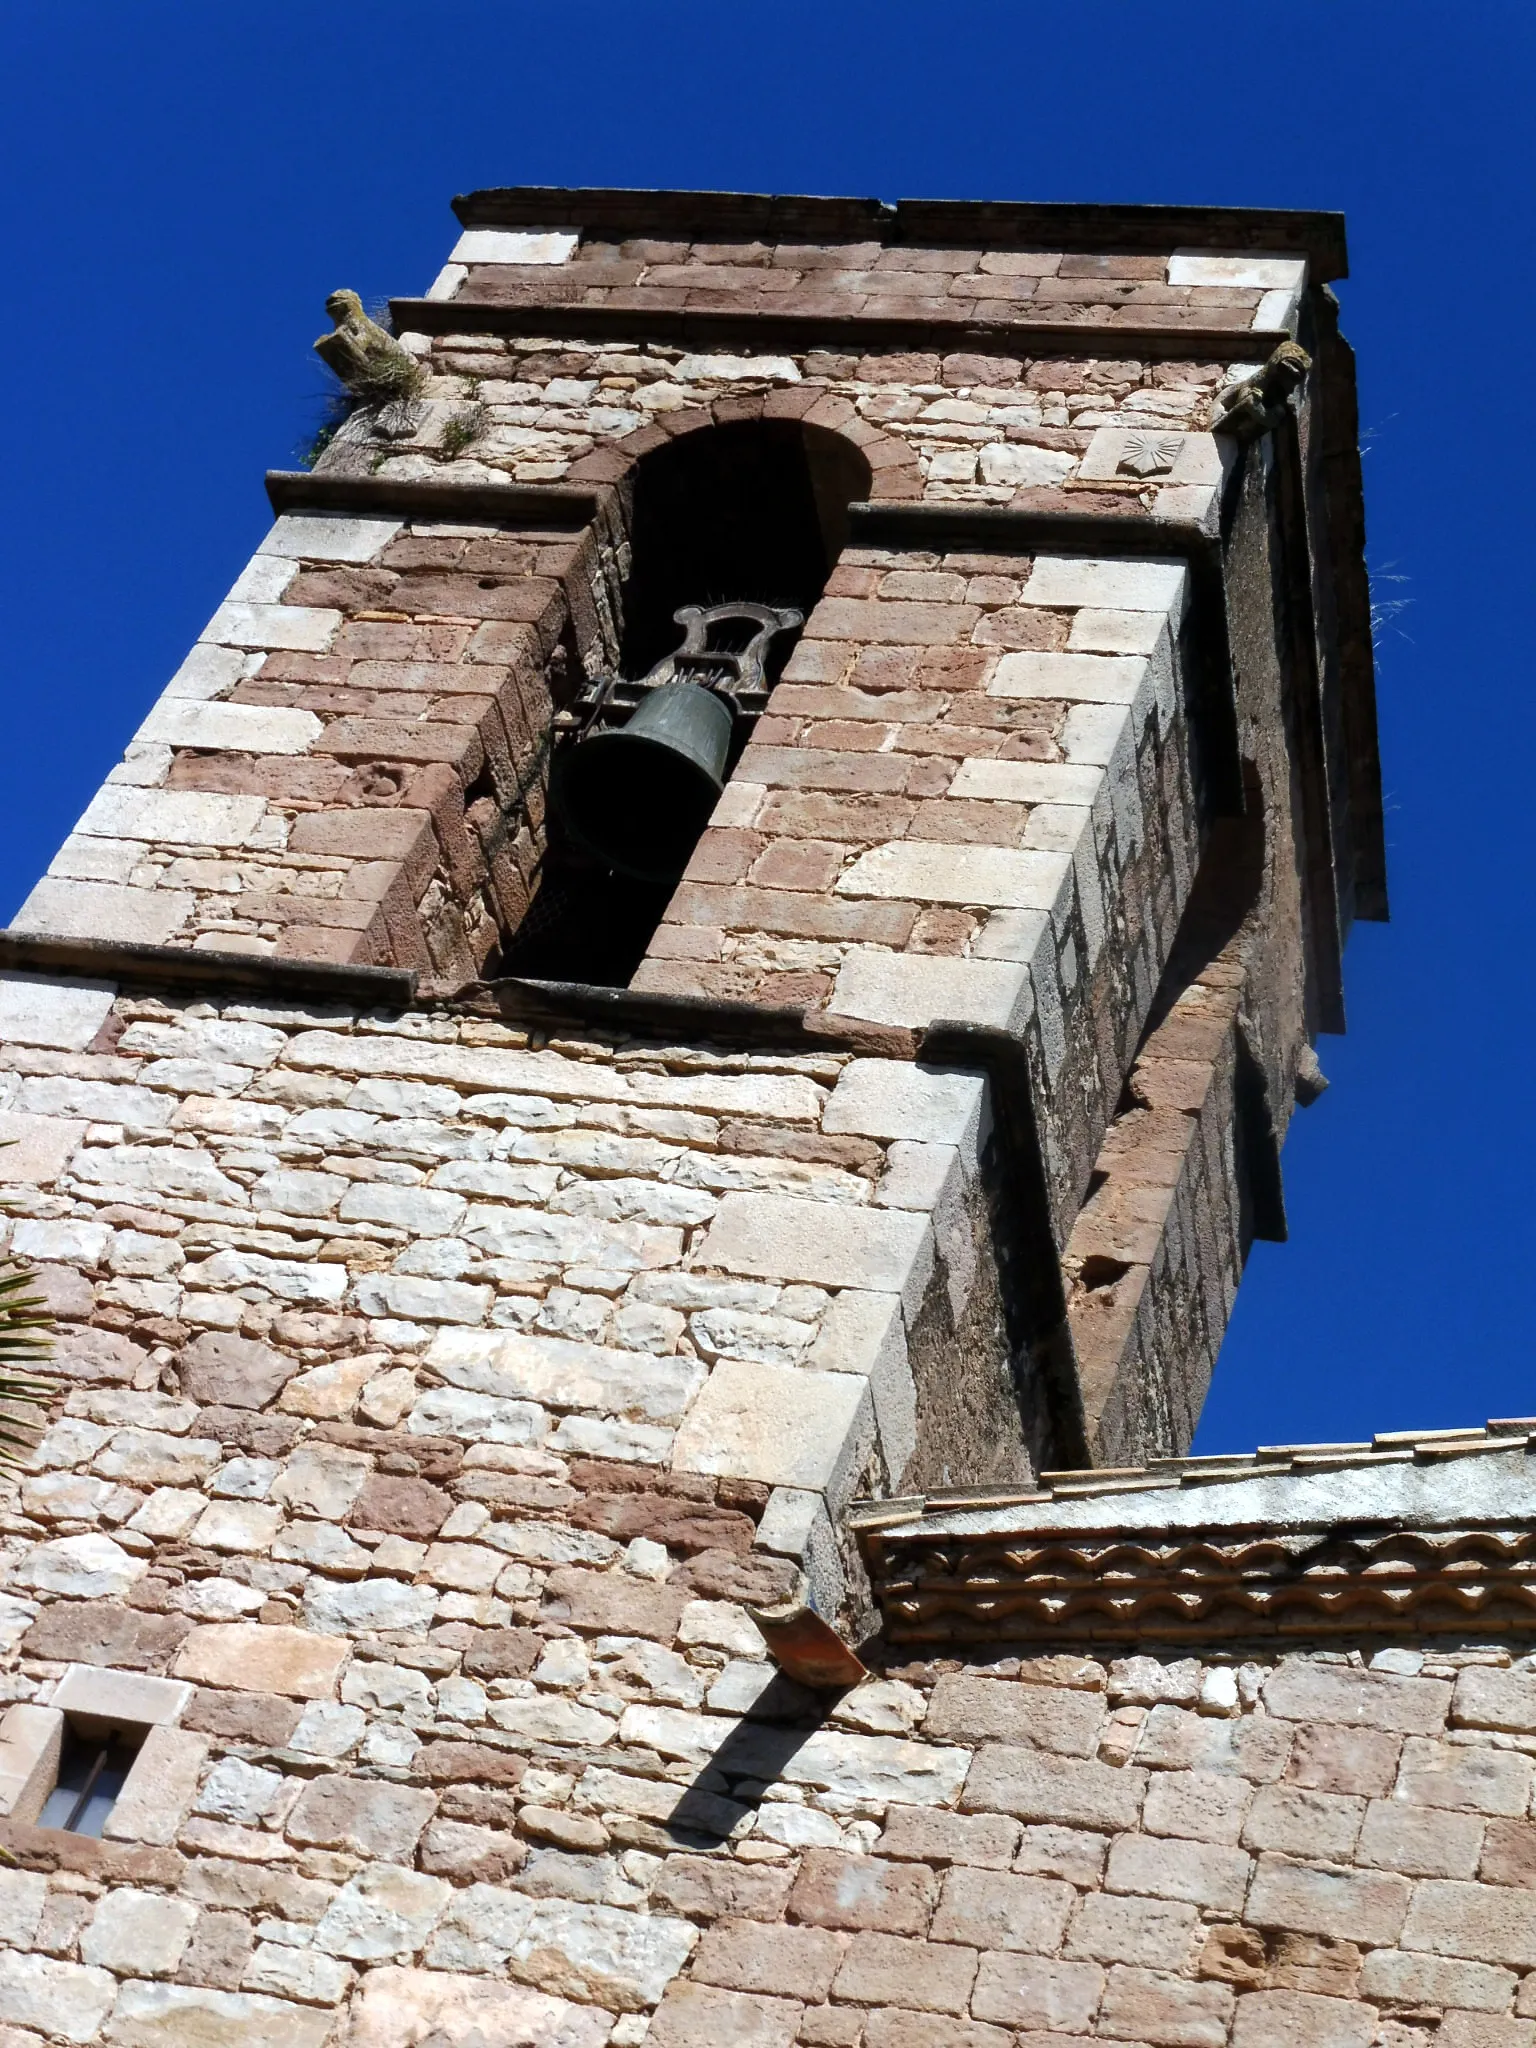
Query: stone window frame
x=159, y=1785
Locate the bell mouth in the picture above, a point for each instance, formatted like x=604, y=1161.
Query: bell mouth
x=637, y=799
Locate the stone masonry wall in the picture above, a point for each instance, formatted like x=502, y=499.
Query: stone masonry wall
x=350, y=765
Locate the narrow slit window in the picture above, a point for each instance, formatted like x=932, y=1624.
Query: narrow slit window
x=92, y=1771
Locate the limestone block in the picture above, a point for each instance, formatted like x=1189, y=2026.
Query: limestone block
x=560, y=1373
x=1249, y=270
x=893, y=1099
x=330, y=537
x=779, y=1425
x=237, y=1525
x=61, y=2001
x=382, y=1914
x=106, y=910
x=367, y=1816
x=193, y=2016
x=374, y=1604
x=64, y=1014
x=1028, y=782
x=1115, y=632
x=988, y=876
x=796, y=1524
x=422, y=1301
x=447, y=281
x=478, y=1418
x=150, y=1457
x=865, y=1333
x=299, y=1973
x=137, y=1933
x=243, y=622
x=921, y=988
x=1071, y=678
x=721, y=369
x=599, y=1955
x=1021, y=463
x=120, y=1695
x=322, y=1479
x=784, y=1237
x=160, y=1788
x=424, y=1212
x=31, y=1739
x=459, y=2011
x=513, y=245
x=22, y=1894
x=1152, y=585
x=263, y=1657
x=89, y=1567
x=177, y=817
x=232, y=728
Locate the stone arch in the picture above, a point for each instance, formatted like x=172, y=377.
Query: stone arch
x=894, y=470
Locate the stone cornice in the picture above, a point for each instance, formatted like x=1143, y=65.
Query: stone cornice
x=1434, y=1533
x=913, y=223
x=1106, y=1587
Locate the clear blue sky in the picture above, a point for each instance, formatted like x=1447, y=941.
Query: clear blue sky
x=182, y=185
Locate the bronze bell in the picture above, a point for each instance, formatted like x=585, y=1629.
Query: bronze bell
x=637, y=796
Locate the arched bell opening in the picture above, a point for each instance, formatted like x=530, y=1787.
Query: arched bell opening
x=737, y=527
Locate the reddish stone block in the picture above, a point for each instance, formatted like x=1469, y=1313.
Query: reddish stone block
x=1364, y=1906
x=852, y=817
x=1294, y=2019
x=970, y=1708
x=749, y=1955
x=744, y=908
x=1149, y=2006
x=907, y=622
x=933, y=1836
x=1028, y=1991
x=724, y=855
x=856, y=1892
x=1112, y=1928
x=695, y=2016
x=613, y=1603
x=1509, y=1853
x=716, y=1888
x=1000, y=1910
x=809, y=864
x=925, y=1976
x=893, y=2029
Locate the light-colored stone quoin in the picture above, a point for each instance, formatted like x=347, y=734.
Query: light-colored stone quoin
x=469, y=1387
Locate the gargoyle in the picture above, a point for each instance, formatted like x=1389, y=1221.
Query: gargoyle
x=368, y=360
x=1251, y=408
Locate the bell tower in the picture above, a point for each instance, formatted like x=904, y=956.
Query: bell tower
x=927, y=639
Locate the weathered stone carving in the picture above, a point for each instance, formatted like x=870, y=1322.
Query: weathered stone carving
x=366, y=357
x=1251, y=408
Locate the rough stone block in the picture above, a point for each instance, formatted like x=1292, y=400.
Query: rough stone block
x=1397, y=1977
x=175, y=817
x=924, y=871
x=1482, y=1922
x=923, y=1976
x=137, y=1933
x=783, y=1426
x=749, y=1955
x=1146, y=2005
x=920, y=988
x=1038, y=1786
x=994, y=1909
x=1363, y=1906
x=263, y=1657
x=103, y=910
x=968, y=1708
x=1298, y=2019
x=986, y=1840
x=854, y=1892
x=1303, y=1691
x=1114, y=1928
x=702, y=2016
x=1142, y=586
x=1028, y=1991
x=61, y=2001
x=1198, y=1873
x=1071, y=678
x=831, y=1244
x=65, y=1014
x=31, y=1741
